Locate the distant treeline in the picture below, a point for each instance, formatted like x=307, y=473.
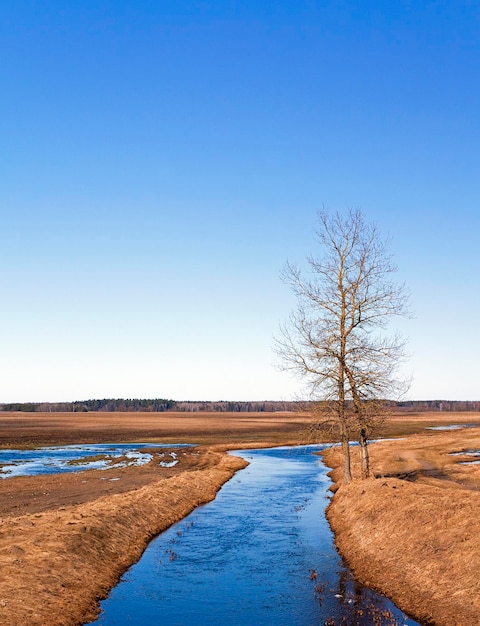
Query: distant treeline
x=83, y=406
x=161, y=405
x=156, y=405
x=439, y=405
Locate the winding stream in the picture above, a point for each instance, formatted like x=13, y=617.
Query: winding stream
x=261, y=553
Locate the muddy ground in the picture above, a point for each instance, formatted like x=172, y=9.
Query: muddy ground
x=413, y=530
x=66, y=539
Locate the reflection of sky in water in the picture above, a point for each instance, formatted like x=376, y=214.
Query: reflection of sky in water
x=76, y=458
x=171, y=463
x=474, y=453
x=451, y=427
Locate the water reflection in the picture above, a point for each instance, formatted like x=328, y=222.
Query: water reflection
x=80, y=457
x=452, y=426
x=473, y=453
x=261, y=553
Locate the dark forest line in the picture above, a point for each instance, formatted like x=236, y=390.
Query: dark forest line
x=161, y=405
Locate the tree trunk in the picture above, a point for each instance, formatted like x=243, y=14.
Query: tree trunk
x=347, y=472
x=364, y=458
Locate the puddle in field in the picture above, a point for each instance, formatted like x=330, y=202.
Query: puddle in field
x=75, y=458
x=451, y=427
x=473, y=453
x=261, y=553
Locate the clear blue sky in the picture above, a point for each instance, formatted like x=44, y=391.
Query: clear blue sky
x=160, y=161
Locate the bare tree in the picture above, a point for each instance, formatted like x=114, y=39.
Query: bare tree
x=336, y=338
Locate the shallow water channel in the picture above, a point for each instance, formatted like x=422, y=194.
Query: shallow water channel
x=261, y=553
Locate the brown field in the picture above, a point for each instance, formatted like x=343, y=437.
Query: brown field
x=66, y=539
x=33, y=429
x=401, y=424
x=413, y=531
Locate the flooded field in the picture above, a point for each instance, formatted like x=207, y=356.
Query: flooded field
x=75, y=458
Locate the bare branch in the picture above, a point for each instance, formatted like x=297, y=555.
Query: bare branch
x=335, y=339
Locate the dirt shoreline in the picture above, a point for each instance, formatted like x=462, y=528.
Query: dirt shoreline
x=412, y=532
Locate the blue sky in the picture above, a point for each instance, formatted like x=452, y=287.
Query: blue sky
x=160, y=161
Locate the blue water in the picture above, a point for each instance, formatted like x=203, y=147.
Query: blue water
x=261, y=553
x=451, y=426
x=76, y=458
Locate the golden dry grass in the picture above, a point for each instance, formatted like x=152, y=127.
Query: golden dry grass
x=413, y=531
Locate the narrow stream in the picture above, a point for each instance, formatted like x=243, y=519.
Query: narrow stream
x=261, y=553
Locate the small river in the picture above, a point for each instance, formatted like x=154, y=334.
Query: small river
x=261, y=553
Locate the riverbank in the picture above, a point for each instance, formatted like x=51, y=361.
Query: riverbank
x=412, y=531
x=55, y=564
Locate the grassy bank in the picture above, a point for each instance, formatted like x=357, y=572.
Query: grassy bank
x=412, y=531
x=56, y=564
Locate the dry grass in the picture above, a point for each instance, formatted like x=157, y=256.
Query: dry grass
x=413, y=531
